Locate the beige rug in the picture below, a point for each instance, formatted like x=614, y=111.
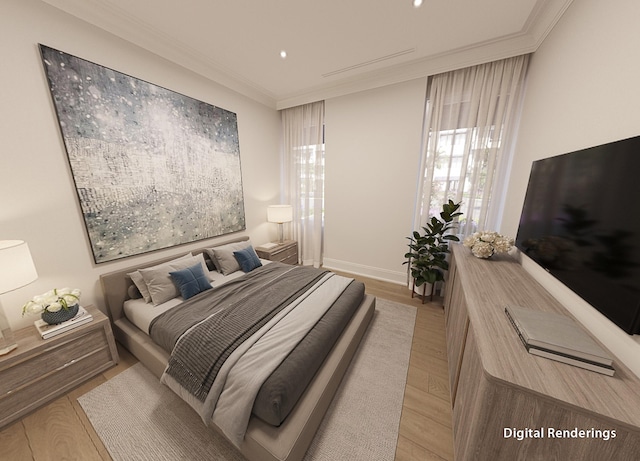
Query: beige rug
x=138, y=418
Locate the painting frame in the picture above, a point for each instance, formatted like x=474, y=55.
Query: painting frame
x=152, y=168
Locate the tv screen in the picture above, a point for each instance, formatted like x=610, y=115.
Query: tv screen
x=581, y=222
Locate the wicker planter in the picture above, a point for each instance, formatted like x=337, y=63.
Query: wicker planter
x=53, y=318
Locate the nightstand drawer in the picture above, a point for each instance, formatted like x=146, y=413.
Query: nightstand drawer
x=40, y=370
x=286, y=255
x=45, y=362
x=286, y=252
x=46, y=386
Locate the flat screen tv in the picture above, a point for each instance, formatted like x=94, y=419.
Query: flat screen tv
x=581, y=222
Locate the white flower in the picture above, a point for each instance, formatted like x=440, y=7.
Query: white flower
x=482, y=250
x=39, y=299
x=32, y=308
x=54, y=307
x=502, y=244
x=70, y=300
x=52, y=301
x=488, y=236
x=471, y=240
x=485, y=244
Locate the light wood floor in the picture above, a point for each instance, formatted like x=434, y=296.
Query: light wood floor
x=61, y=431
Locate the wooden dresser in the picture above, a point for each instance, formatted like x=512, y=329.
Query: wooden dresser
x=286, y=252
x=40, y=370
x=498, y=388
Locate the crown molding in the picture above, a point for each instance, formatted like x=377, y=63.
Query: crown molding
x=105, y=15
x=538, y=26
x=422, y=68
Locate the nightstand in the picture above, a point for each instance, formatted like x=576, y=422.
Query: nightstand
x=285, y=252
x=40, y=370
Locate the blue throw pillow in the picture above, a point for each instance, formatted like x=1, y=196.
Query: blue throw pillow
x=247, y=259
x=190, y=281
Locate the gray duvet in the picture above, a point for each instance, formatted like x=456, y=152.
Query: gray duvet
x=220, y=320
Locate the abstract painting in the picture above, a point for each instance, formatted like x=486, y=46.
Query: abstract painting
x=152, y=168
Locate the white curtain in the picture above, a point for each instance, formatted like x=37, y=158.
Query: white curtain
x=470, y=121
x=303, y=171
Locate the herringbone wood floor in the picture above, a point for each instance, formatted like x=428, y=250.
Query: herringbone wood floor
x=61, y=430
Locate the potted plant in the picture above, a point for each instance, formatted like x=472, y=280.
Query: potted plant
x=54, y=306
x=427, y=258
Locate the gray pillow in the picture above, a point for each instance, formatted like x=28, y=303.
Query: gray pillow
x=159, y=282
x=138, y=280
x=223, y=257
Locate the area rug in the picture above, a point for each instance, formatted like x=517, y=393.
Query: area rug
x=137, y=418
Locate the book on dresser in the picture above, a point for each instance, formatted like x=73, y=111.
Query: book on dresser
x=47, y=331
x=558, y=337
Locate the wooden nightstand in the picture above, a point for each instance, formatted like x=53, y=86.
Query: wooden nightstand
x=286, y=252
x=40, y=370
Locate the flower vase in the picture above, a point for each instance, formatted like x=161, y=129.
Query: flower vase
x=53, y=318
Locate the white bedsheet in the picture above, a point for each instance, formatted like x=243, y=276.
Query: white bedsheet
x=141, y=313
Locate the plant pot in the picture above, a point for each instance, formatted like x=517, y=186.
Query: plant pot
x=424, y=291
x=53, y=318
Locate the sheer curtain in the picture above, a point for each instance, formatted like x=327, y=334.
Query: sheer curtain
x=470, y=120
x=303, y=165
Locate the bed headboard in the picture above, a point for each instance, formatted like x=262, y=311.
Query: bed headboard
x=115, y=285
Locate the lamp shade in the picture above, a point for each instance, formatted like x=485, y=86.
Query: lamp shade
x=279, y=213
x=16, y=265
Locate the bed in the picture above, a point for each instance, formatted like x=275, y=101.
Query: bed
x=267, y=438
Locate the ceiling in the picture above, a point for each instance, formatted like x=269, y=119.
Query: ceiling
x=334, y=47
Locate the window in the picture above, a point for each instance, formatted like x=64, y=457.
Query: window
x=303, y=160
x=469, y=121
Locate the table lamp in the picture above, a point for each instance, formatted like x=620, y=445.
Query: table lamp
x=16, y=271
x=280, y=214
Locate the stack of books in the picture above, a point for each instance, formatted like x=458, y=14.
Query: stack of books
x=47, y=331
x=559, y=338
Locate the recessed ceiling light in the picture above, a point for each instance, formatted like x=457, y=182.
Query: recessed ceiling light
x=417, y=3
x=283, y=54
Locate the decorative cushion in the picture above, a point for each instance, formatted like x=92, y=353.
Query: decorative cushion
x=223, y=257
x=159, y=282
x=190, y=281
x=247, y=259
x=139, y=282
x=133, y=292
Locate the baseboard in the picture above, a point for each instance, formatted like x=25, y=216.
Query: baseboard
x=399, y=278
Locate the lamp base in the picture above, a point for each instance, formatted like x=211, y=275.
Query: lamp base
x=280, y=233
x=5, y=349
x=7, y=341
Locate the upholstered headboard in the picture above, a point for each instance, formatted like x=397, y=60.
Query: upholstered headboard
x=115, y=285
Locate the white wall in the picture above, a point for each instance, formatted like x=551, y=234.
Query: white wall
x=37, y=198
x=582, y=91
x=372, y=154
